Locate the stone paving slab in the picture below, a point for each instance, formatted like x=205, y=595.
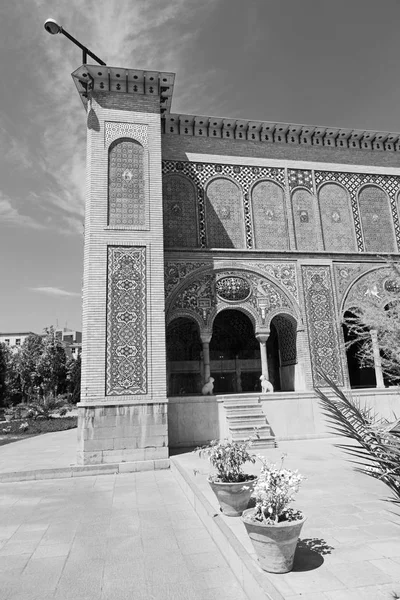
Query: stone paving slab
x=350, y=543
x=111, y=537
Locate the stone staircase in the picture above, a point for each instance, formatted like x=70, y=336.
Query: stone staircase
x=246, y=418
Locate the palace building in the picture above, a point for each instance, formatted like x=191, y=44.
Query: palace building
x=218, y=250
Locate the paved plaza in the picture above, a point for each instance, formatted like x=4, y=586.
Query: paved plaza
x=137, y=536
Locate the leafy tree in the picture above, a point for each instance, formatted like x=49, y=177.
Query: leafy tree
x=3, y=373
x=27, y=365
x=74, y=379
x=51, y=365
x=382, y=321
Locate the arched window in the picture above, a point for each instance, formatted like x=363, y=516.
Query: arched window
x=376, y=220
x=224, y=215
x=180, y=215
x=126, y=184
x=269, y=216
x=337, y=219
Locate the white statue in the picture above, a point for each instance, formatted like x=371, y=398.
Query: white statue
x=266, y=386
x=208, y=387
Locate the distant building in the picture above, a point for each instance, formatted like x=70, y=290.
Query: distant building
x=72, y=341
x=14, y=340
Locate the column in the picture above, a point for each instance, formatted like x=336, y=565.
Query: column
x=377, y=359
x=205, y=340
x=262, y=339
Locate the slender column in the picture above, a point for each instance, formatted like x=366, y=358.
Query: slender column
x=205, y=340
x=377, y=359
x=262, y=339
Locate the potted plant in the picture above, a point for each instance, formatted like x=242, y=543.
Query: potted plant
x=230, y=484
x=273, y=527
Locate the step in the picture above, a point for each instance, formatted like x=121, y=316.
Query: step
x=256, y=421
x=245, y=407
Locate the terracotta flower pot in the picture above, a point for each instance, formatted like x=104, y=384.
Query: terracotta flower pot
x=275, y=545
x=233, y=498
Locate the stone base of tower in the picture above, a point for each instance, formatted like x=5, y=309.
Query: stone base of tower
x=122, y=433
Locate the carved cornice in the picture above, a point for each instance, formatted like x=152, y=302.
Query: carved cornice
x=281, y=133
x=90, y=78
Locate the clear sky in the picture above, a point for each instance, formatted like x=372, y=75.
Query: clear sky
x=317, y=62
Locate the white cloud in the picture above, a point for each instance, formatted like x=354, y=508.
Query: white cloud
x=54, y=291
x=9, y=215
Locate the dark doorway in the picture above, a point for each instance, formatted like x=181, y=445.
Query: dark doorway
x=360, y=377
x=184, y=375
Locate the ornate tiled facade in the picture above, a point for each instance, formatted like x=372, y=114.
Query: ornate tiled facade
x=322, y=323
x=126, y=321
x=126, y=185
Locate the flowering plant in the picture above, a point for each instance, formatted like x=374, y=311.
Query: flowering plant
x=273, y=492
x=228, y=458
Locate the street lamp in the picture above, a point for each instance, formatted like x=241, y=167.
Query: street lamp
x=51, y=26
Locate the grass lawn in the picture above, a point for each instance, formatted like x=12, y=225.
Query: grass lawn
x=10, y=431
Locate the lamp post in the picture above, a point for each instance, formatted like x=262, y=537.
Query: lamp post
x=51, y=26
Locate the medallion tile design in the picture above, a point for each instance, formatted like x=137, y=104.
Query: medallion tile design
x=244, y=176
x=306, y=220
x=126, y=188
x=126, y=321
x=376, y=220
x=352, y=182
x=233, y=289
x=300, y=178
x=337, y=218
x=321, y=320
x=114, y=131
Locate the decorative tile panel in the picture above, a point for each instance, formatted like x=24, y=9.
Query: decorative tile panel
x=345, y=274
x=269, y=216
x=224, y=215
x=175, y=272
x=300, y=178
x=285, y=273
x=136, y=131
x=198, y=297
x=352, y=182
x=126, y=321
x=337, y=219
x=244, y=176
x=372, y=288
x=126, y=185
x=180, y=212
x=376, y=220
x=306, y=220
x=322, y=323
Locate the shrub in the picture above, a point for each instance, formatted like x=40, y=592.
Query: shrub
x=273, y=492
x=228, y=459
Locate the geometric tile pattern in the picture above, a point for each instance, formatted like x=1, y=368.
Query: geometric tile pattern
x=114, y=131
x=352, y=182
x=322, y=323
x=126, y=193
x=300, y=178
x=245, y=176
x=180, y=212
x=126, y=321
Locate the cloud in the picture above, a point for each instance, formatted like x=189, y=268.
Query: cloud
x=9, y=215
x=54, y=291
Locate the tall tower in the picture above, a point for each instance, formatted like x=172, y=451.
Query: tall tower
x=123, y=408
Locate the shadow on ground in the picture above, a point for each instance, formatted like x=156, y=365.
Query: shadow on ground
x=310, y=554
